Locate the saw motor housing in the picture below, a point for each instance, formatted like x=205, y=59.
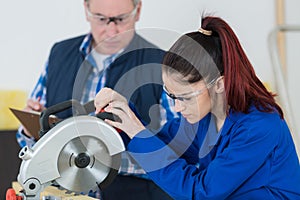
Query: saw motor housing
x=79, y=153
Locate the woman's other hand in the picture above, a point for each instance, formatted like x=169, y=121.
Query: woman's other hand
x=113, y=102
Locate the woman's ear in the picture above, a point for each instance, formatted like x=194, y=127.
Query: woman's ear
x=219, y=85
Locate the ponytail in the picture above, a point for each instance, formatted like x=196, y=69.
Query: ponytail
x=242, y=86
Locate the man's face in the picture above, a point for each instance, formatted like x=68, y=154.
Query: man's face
x=111, y=36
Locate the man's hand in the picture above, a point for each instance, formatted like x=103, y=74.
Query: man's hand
x=32, y=105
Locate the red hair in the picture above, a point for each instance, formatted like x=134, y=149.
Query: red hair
x=242, y=87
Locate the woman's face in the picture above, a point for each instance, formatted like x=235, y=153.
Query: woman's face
x=191, y=100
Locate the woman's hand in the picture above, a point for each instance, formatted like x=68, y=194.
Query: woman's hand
x=115, y=103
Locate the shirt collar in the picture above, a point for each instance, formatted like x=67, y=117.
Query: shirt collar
x=211, y=138
x=212, y=132
x=86, y=48
x=86, y=45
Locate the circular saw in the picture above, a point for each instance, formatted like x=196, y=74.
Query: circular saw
x=80, y=153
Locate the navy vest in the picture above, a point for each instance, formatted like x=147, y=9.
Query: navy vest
x=136, y=74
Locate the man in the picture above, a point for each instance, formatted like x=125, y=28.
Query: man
x=77, y=68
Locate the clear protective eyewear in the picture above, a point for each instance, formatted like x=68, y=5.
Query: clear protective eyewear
x=188, y=96
x=118, y=20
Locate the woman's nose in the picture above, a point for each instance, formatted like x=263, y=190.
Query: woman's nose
x=178, y=105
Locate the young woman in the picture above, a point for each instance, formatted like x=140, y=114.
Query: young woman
x=231, y=141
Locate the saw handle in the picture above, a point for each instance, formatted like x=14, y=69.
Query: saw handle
x=108, y=115
x=44, y=117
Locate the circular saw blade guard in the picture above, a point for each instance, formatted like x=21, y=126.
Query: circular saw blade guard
x=80, y=153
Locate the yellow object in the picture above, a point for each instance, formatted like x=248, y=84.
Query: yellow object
x=14, y=99
x=268, y=86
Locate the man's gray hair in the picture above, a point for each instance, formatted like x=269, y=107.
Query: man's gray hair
x=135, y=2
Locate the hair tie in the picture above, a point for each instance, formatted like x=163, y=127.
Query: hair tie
x=205, y=32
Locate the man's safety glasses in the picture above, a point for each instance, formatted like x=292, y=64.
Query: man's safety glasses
x=120, y=20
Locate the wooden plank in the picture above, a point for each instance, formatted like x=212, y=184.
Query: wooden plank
x=54, y=191
x=280, y=20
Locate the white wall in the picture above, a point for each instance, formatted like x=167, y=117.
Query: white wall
x=29, y=28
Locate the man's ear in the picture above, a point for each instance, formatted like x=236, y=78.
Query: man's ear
x=85, y=6
x=138, y=12
x=219, y=85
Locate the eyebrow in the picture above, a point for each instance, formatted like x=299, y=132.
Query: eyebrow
x=184, y=94
x=98, y=14
x=102, y=15
x=177, y=95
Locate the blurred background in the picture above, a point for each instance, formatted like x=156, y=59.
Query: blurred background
x=268, y=31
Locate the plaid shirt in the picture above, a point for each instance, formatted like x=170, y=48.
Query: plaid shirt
x=128, y=166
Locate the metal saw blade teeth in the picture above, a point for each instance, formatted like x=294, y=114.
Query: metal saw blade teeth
x=83, y=162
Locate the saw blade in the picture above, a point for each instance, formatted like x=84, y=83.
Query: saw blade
x=83, y=163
